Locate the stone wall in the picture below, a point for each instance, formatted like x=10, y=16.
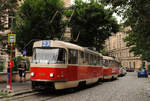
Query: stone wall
x=15, y=77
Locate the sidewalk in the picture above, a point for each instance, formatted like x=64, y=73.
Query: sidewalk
x=18, y=87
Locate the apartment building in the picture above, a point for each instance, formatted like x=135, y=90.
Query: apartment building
x=116, y=47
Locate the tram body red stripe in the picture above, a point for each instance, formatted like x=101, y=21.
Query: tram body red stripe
x=108, y=71
x=70, y=73
x=115, y=71
x=111, y=71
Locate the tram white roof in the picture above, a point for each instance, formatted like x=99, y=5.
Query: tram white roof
x=62, y=44
x=91, y=51
x=57, y=43
x=108, y=58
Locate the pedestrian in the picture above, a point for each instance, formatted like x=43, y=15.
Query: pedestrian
x=22, y=71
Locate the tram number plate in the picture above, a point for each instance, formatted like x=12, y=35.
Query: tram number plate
x=42, y=74
x=45, y=43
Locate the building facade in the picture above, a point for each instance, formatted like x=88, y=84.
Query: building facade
x=116, y=47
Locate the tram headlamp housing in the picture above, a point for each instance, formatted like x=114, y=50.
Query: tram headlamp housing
x=32, y=74
x=51, y=75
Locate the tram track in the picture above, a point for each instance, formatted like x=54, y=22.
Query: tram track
x=20, y=96
x=24, y=96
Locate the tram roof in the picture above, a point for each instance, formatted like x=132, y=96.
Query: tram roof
x=108, y=58
x=57, y=43
x=91, y=51
x=62, y=44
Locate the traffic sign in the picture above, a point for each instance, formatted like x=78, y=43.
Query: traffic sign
x=11, y=38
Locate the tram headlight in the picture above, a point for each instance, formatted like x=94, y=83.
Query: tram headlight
x=51, y=75
x=32, y=74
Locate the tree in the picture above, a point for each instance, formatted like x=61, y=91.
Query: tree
x=91, y=24
x=38, y=19
x=137, y=14
x=104, y=52
x=7, y=7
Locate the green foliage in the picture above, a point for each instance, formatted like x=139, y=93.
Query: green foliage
x=104, y=52
x=91, y=24
x=38, y=19
x=136, y=14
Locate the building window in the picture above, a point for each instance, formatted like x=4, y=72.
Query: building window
x=11, y=19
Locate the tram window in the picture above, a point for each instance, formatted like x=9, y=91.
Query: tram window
x=111, y=64
x=81, y=57
x=105, y=62
x=49, y=55
x=61, y=56
x=73, y=56
x=91, y=60
x=98, y=60
x=94, y=60
x=101, y=62
x=87, y=58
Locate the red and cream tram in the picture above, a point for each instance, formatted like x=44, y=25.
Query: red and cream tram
x=63, y=65
x=111, y=68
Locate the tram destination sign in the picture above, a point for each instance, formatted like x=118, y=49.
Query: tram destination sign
x=45, y=43
x=11, y=38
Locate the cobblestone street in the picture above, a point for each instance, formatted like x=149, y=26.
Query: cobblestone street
x=127, y=88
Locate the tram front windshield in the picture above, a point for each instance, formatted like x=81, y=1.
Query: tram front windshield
x=49, y=55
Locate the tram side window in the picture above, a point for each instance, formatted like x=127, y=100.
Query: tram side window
x=81, y=57
x=73, y=56
x=112, y=64
x=94, y=60
x=99, y=61
x=91, y=60
x=87, y=60
x=105, y=62
x=61, y=56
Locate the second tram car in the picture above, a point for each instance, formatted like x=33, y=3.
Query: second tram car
x=61, y=65
x=111, y=68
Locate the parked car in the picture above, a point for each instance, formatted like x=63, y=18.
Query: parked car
x=142, y=72
x=130, y=70
x=122, y=71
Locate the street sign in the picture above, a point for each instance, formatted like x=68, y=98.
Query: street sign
x=11, y=38
x=11, y=41
x=45, y=43
x=24, y=52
